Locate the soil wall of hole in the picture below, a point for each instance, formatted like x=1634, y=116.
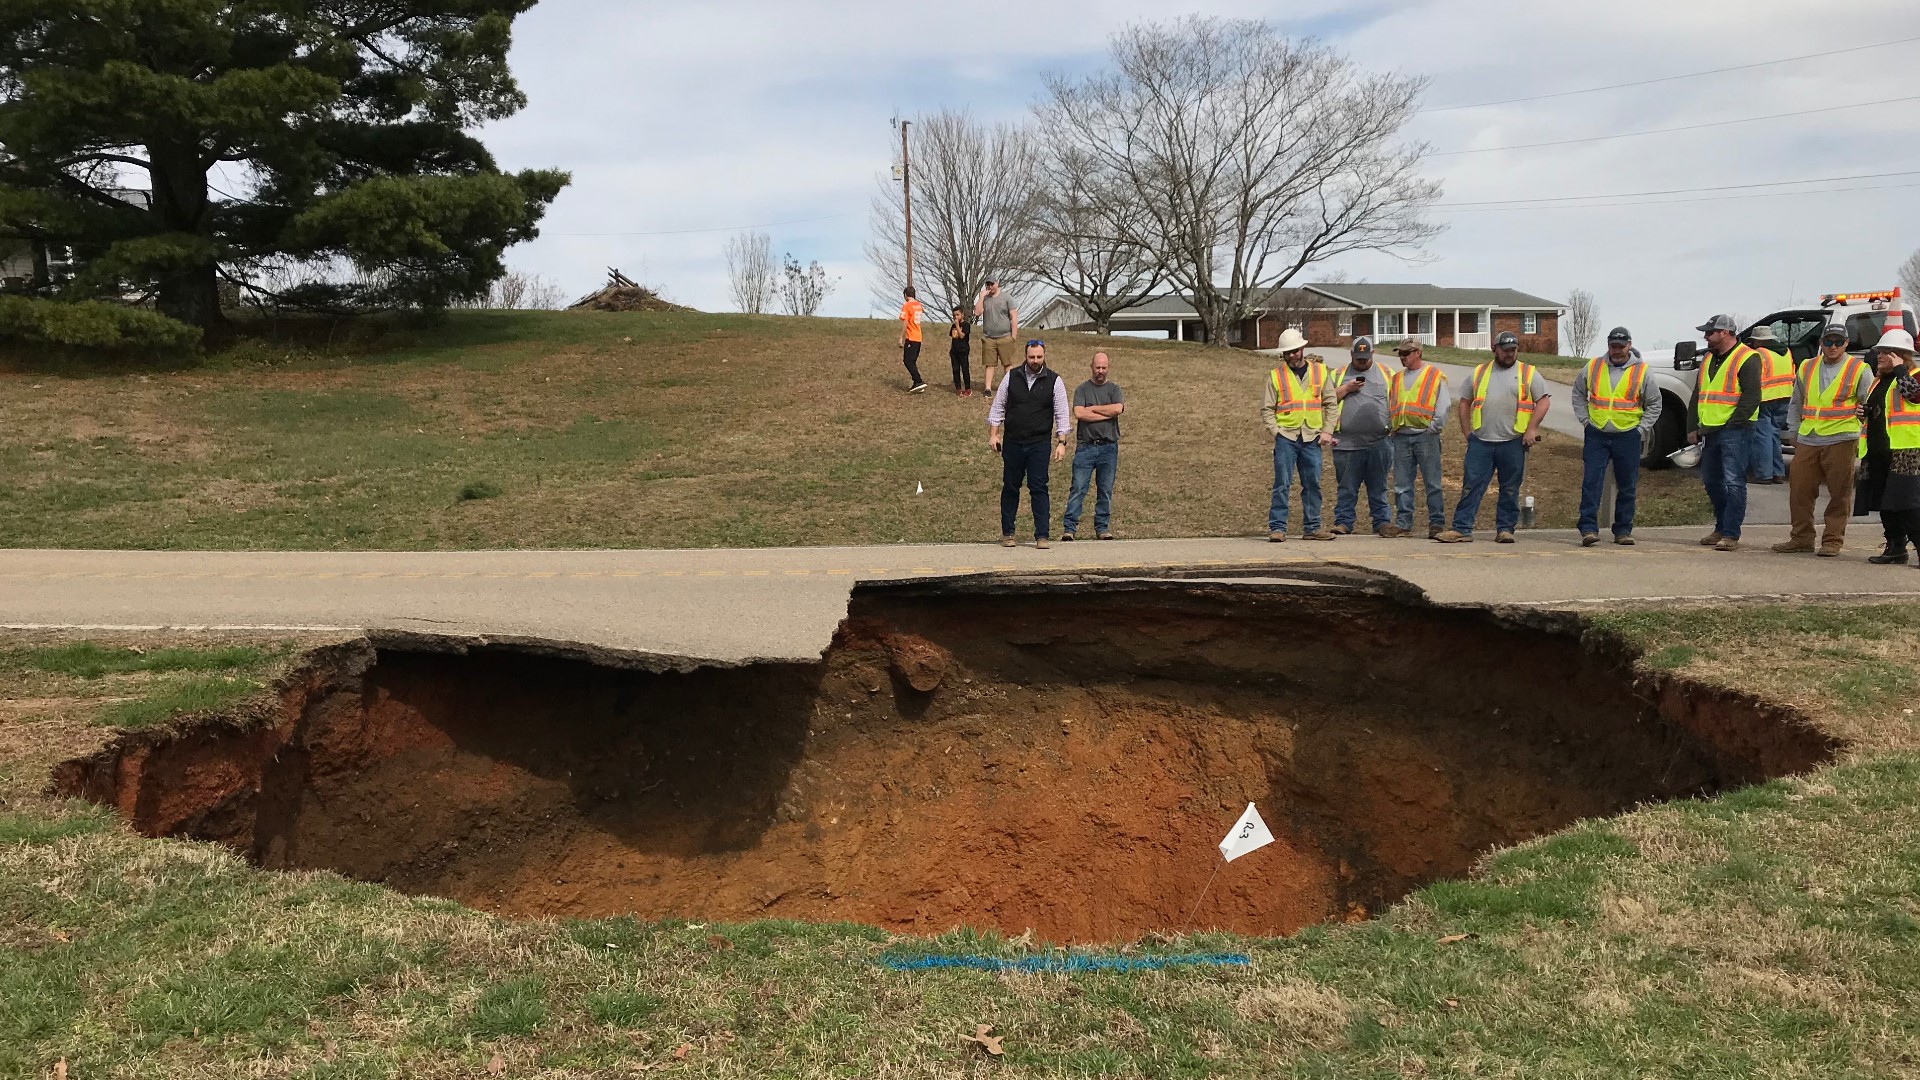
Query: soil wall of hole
x=1019, y=757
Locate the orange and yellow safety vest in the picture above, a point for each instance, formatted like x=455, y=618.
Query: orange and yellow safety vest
x=1411, y=403
x=1776, y=378
x=1834, y=410
x=1613, y=404
x=1719, y=394
x=1296, y=400
x=1484, y=374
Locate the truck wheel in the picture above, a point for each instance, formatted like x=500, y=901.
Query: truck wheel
x=1669, y=433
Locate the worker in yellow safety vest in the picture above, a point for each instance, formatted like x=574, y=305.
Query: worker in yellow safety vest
x=1824, y=414
x=1617, y=404
x=1726, y=398
x=1502, y=417
x=1891, y=449
x=1417, y=402
x=1298, y=409
x=1765, y=464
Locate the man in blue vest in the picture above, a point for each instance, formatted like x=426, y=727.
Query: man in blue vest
x=1030, y=403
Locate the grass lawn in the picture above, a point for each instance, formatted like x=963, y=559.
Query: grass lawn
x=567, y=429
x=1770, y=932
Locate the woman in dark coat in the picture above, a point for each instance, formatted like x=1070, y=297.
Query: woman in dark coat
x=1890, y=479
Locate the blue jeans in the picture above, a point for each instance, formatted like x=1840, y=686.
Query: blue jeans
x=1420, y=452
x=1723, y=472
x=1763, y=447
x=1485, y=460
x=1290, y=457
x=1351, y=468
x=1621, y=450
x=1024, y=461
x=1096, y=462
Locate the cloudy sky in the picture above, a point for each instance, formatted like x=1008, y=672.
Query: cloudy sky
x=683, y=122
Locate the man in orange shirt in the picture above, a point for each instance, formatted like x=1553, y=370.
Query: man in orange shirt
x=910, y=341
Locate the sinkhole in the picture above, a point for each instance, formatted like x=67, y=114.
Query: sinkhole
x=1061, y=755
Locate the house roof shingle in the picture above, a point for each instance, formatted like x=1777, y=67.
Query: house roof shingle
x=1432, y=296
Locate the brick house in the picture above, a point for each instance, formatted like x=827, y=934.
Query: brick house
x=1333, y=314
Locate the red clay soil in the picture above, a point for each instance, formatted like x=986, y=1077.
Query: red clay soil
x=1056, y=761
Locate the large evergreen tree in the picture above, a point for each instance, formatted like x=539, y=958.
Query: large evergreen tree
x=307, y=130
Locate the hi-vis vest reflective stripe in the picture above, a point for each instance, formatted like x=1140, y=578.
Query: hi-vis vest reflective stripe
x=1412, y=404
x=1903, y=420
x=1615, y=406
x=1524, y=417
x=1776, y=378
x=1718, y=395
x=1834, y=410
x=1296, y=401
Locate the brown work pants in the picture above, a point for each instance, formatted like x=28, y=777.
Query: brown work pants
x=1812, y=467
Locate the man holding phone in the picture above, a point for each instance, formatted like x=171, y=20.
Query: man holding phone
x=1361, y=452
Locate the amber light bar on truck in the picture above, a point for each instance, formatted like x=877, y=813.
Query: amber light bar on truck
x=1832, y=299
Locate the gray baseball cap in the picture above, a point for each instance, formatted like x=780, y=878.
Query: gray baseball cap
x=1618, y=333
x=1718, y=322
x=1362, y=346
x=1505, y=339
x=1834, y=332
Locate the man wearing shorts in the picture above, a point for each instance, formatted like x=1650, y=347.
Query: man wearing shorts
x=999, y=325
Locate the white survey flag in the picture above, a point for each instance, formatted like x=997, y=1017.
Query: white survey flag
x=917, y=489
x=1249, y=834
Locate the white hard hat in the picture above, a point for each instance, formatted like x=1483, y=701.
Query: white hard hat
x=1896, y=337
x=1291, y=339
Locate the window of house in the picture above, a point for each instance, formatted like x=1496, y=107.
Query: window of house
x=1346, y=326
x=1420, y=322
x=1469, y=322
x=1529, y=323
x=1296, y=324
x=1390, y=325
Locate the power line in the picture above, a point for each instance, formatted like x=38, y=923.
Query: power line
x=1684, y=127
x=1670, y=78
x=1676, y=191
x=725, y=228
x=1676, y=202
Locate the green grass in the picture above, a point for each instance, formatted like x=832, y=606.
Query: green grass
x=187, y=696
x=89, y=660
x=579, y=430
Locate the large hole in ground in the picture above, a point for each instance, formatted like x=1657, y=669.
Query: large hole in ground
x=1060, y=757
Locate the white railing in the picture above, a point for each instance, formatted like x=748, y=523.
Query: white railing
x=1473, y=341
x=1424, y=339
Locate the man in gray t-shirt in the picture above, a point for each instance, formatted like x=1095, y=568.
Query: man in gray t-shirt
x=1361, y=453
x=999, y=325
x=1096, y=405
x=1490, y=409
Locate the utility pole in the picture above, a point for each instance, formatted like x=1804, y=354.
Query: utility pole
x=906, y=191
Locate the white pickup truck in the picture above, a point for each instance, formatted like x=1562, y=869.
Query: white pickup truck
x=1863, y=315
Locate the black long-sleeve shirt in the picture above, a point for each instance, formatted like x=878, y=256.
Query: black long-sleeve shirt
x=1749, y=393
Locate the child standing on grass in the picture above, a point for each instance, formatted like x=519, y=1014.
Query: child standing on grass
x=960, y=351
x=910, y=340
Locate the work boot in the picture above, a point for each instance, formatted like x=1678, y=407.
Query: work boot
x=1624, y=539
x=1711, y=539
x=1321, y=534
x=1391, y=532
x=1792, y=547
x=1889, y=557
x=1338, y=530
x=1451, y=537
x=1434, y=531
x=1589, y=539
x=1277, y=536
x=1066, y=537
x=1829, y=551
x=1006, y=541
x=1040, y=542
x=1727, y=543
x=1106, y=536
x=1503, y=537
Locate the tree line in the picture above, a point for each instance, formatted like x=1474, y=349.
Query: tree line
x=1218, y=158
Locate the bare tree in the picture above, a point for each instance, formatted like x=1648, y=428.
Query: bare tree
x=510, y=291
x=751, y=275
x=1582, y=323
x=973, y=192
x=543, y=294
x=1085, y=238
x=803, y=288
x=1910, y=278
x=1252, y=156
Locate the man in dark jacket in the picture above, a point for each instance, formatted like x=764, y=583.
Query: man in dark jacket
x=1030, y=403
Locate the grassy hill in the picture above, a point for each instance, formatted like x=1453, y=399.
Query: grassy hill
x=569, y=429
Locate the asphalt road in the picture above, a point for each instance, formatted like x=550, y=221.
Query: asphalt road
x=785, y=602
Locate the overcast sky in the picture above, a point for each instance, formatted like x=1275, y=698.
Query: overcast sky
x=689, y=121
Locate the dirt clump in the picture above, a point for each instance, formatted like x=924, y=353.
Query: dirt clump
x=1056, y=760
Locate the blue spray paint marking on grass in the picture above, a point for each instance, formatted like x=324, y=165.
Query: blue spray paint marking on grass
x=1070, y=963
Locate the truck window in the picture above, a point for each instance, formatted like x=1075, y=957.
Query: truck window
x=1865, y=328
x=1800, y=330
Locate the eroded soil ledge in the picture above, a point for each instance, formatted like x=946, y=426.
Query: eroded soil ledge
x=1011, y=755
